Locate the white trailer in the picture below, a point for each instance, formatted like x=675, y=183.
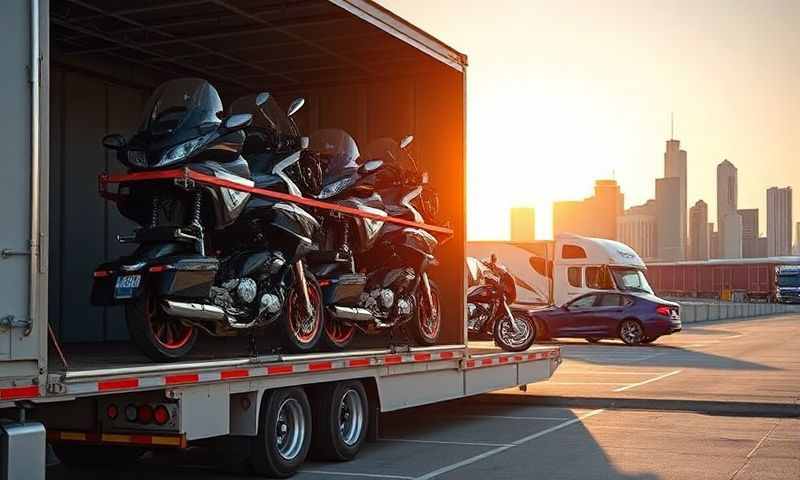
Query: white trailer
x=75, y=70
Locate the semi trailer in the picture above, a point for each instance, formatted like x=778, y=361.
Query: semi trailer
x=76, y=70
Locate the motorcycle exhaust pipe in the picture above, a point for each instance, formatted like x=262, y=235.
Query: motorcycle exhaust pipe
x=200, y=311
x=352, y=313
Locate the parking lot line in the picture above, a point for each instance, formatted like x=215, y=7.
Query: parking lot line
x=645, y=382
x=506, y=417
x=354, y=474
x=495, y=451
x=585, y=383
x=444, y=442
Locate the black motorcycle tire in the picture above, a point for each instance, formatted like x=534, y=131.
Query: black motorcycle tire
x=293, y=340
x=520, y=347
x=337, y=336
x=427, y=334
x=140, y=316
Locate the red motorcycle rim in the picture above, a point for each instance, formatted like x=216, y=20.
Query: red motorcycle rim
x=338, y=332
x=298, y=318
x=170, y=333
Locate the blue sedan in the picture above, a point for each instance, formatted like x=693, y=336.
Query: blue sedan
x=633, y=317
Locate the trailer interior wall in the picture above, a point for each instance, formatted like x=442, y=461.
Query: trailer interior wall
x=107, y=57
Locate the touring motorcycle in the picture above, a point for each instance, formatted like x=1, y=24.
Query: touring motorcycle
x=208, y=257
x=490, y=292
x=374, y=273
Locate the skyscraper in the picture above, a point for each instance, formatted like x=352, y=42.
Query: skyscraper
x=698, y=231
x=779, y=221
x=637, y=229
x=595, y=216
x=729, y=223
x=749, y=232
x=675, y=167
x=670, y=245
x=523, y=224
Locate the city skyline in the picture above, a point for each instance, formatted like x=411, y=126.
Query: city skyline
x=563, y=93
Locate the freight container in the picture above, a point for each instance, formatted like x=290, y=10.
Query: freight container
x=76, y=70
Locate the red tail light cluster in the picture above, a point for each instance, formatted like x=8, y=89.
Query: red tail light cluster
x=143, y=414
x=664, y=311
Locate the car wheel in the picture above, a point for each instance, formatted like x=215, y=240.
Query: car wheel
x=592, y=339
x=631, y=332
x=649, y=339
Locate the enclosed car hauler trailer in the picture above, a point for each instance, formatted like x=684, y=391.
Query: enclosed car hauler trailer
x=76, y=70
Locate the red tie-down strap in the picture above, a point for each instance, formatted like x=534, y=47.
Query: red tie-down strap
x=185, y=173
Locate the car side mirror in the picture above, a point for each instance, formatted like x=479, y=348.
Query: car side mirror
x=114, y=141
x=238, y=121
x=370, y=167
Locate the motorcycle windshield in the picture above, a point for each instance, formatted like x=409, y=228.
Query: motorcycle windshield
x=269, y=116
x=388, y=150
x=182, y=109
x=338, y=151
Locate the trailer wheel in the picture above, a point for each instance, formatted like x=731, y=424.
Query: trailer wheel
x=96, y=455
x=158, y=336
x=340, y=421
x=284, y=433
x=429, y=317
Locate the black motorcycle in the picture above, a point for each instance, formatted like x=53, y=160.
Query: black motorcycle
x=373, y=273
x=490, y=292
x=211, y=258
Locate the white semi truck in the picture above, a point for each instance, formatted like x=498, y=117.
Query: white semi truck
x=75, y=71
x=551, y=272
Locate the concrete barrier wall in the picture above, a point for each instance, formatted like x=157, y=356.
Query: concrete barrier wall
x=692, y=312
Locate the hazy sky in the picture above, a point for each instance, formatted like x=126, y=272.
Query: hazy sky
x=564, y=92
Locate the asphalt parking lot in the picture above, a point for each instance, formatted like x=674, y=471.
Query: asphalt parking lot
x=717, y=401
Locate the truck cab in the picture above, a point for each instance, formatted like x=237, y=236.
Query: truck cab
x=787, y=283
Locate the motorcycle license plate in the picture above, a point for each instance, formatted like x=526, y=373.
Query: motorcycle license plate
x=126, y=285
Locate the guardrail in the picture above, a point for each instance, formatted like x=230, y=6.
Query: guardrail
x=692, y=312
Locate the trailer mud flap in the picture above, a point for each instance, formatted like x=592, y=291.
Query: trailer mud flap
x=22, y=451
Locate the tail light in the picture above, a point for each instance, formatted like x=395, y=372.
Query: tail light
x=663, y=310
x=161, y=415
x=145, y=414
x=112, y=412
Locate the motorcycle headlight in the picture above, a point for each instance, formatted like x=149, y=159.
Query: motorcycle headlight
x=183, y=150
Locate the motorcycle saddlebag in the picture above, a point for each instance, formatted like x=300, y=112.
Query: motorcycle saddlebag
x=343, y=290
x=185, y=276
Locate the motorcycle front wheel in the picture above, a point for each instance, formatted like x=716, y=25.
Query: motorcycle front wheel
x=160, y=337
x=429, y=316
x=302, y=331
x=506, y=338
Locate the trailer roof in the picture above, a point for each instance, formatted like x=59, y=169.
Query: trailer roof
x=249, y=44
x=787, y=260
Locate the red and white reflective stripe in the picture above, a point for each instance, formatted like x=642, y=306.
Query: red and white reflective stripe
x=507, y=359
x=18, y=393
x=119, y=439
x=244, y=373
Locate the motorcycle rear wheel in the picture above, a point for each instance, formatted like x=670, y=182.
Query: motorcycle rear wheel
x=428, y=324
x=160, y=337
x=509, y=341
x=337, y=335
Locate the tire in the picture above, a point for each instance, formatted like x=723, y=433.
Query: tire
x=279, y=456
x=428, y=322
x=161, y=338
x=521, y=341
x=301, y=332
x=341, y=419
x=631, y=332
x=649, y=339
x=592, y=339
x=96, y=455
x=337, y=335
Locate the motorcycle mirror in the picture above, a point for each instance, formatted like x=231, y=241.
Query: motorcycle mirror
x=114, y=141
x=238, y=120
x=370, y=166
x=406, y=141
x=493, y=258
x=304, y=142
x=262, y=98
x=296, y=105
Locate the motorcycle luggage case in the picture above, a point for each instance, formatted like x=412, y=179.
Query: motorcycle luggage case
x=344, y=290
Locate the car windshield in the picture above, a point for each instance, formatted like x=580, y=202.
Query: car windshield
x=791, y=280
x=338, y=151
x=631, y=279
x=182, y=105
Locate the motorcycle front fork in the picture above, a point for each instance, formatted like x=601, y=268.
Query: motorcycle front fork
x=514, y=325
x=300, y=273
